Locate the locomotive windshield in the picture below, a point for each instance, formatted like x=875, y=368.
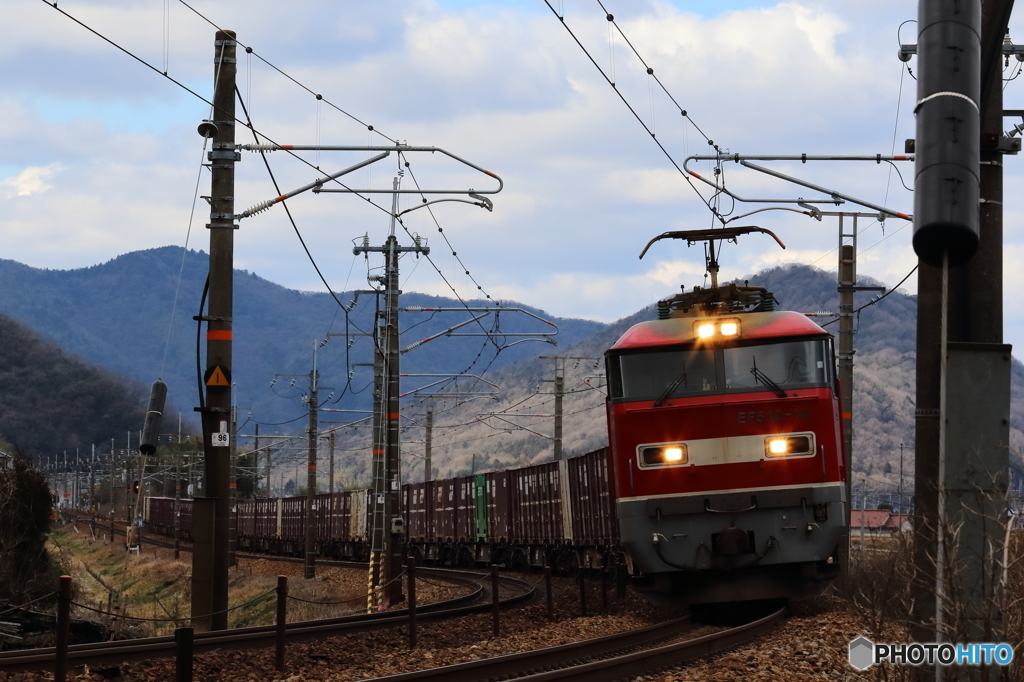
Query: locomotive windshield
x=681, y=372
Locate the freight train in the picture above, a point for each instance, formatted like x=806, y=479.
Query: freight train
x=560, y=514
x=724, y=479
x=726, y=445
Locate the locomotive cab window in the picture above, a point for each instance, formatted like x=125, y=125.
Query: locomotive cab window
x=735, y=367
x=792, y=365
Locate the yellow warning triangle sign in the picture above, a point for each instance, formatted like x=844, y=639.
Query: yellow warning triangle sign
x=217, y=377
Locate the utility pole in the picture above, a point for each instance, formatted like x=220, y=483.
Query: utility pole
x=113, y=499
x=901, y=478
x=386, y=525
x=310, y=571
x=559, y=393
x=92, y=483
x=177, y=501
x=330, y=443
x=962, y=365
x=233, y=487
x=256, y=462
x=847, y=280
x=210, y=575
x=428, y=442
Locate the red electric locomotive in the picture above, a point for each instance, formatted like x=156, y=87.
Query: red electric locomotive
x=726, y=445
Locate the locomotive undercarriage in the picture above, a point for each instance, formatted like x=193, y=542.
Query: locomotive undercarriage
x=756, y=544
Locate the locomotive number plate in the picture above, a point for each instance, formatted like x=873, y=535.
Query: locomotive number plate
x=761, y=416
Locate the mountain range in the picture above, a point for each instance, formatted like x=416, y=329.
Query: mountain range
x=132, y=316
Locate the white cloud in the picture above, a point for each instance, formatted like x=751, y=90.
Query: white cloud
x=32, y=180
x=507, y=88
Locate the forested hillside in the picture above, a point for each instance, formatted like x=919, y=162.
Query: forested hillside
x=119, y=314
x=883, y=405
x=51, y=400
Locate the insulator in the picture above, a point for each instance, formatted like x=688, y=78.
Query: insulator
x=154, y=416
x=261, y=147
x=258, y=208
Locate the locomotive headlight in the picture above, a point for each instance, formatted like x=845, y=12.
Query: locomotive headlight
x=729, y=329
x=705, y=331
x=665, y=454
x=788, y=446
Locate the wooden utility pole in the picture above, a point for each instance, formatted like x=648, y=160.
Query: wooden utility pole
x=216, y=413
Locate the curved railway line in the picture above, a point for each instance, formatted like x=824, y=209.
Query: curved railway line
x=622, y=655
x=627, y=654
x=104, y=653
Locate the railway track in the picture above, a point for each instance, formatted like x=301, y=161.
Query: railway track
x=622, y=655
x=113, y=653
x=605, y=659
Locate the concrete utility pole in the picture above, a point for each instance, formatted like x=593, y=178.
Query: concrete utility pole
x=113, y=499
x=847, y=281
x=963, y=367
x=559, y=393
x=233, y=487
x=330, y=444
x=386, y=526
x=177, y=501
x=310, y=571
x=216, y=413
x=428, y=443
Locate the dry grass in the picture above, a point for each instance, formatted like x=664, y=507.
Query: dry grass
x=880, y=591
x=153, y=585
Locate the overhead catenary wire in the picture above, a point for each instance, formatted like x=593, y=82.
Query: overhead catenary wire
x=633, y=111
x=873, y=301
x=195, y=94
x=247, y=123
x=326, y=101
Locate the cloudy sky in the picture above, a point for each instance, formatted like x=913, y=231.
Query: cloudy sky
x=99, y=154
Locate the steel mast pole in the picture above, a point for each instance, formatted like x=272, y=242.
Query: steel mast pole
x=386, y=526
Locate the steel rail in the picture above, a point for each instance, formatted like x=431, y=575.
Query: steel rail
x=605, y=659
x=265, y=636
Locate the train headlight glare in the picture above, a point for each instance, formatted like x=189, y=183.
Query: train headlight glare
x=672, y=454
x=729, y=329
x=789, y=446
x=705, y=330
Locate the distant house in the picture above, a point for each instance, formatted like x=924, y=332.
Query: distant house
x=878, y=522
